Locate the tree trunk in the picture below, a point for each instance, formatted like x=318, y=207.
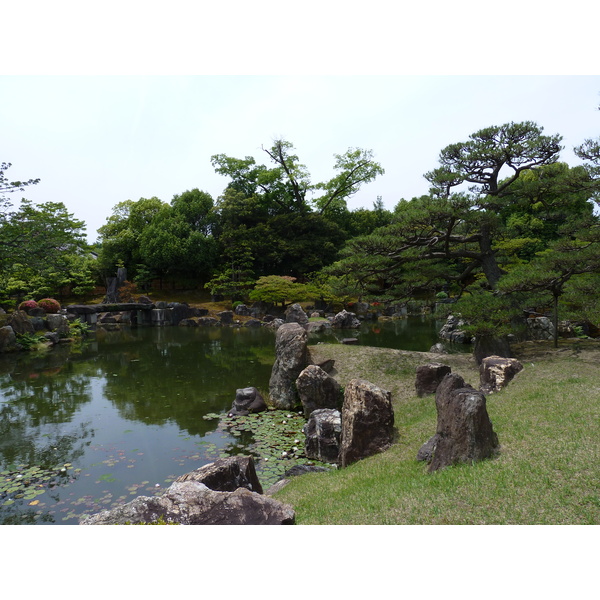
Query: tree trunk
x=489, y=265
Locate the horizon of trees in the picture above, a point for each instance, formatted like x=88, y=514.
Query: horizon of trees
x=505, y=225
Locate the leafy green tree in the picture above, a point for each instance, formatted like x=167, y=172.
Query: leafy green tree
x=9, y=187
x=43, y=250
x=274, y=289
x=449, y=236
x=120, y=236
x=552, y=269
x=178, y=242
x=269, y=212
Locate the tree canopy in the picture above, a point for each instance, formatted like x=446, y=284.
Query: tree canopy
x=496, y=201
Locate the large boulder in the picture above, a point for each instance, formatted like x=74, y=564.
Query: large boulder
x=317, y=389
x=453, y=332
x=345, y=320
x=20, y=322
x=58, y=323
x=295, y=314
x=227, y=475
x=540, y=328
x=247, y=400
x=226, y=317
x=291, y=357
x=496, y=372
x=367, y=421
x=429, y=377
x=8, y=339
x=323, y=432
x=464, y=432
x=242, y=310
x=193, y=503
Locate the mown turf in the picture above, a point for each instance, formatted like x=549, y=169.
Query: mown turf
x=547, y=472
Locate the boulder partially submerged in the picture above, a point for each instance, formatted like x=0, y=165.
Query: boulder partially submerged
x=190, y=501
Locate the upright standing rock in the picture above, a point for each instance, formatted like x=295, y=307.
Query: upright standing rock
x=429, y=377
x=496, y=372
x=317, y=389
x=367, y=421
x=345, y=320
x=323, y=432
x=291, y=357
x=295, y=314
x=464, y=431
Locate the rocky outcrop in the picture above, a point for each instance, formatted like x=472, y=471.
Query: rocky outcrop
x=226, y=492
x=20, y=323
x=226, y=475
x=540, y=328
x=429, y=377
x=452, y=331
x=323, y=432
x=345, y=320
x=496, y=372
x=8, y=339
x=464, y=432
x=193, y=503
x=247, y=400
x=317, y=389
x=367, y=421
x=295, y=314
x=291, y=357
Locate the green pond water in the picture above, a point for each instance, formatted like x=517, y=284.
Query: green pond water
x=86, y=426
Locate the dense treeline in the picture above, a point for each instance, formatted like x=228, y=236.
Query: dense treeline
x=505, y=226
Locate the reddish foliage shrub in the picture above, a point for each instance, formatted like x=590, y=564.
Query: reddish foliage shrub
x=28, y=305
x=50, y=305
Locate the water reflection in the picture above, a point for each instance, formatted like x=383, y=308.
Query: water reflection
x=91, y=425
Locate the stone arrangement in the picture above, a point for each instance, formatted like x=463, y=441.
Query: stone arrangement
x=464, y=432
x=247, y=400
x=226, y=492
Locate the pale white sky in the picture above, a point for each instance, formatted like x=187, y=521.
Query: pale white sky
x=85, y=106
x=132, y=100
x=97, y=140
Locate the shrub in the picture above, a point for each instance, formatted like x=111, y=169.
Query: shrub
x=28, y=305
x=50, y=305
x=441, y=295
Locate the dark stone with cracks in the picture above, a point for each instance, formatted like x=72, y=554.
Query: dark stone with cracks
x=291, y=357
x=345, y=320
x=295, y=314
x=247, y=400
x=20, y=322
x=429, y=377
x=367, y=421
x=323, y=433
x=226, y=475
x=464, y=431
x=8, y=339
x=317, y=389
x=496, y=372
x=193, y=503
x=226, y=317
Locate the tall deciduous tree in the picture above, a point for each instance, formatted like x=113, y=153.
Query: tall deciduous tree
x=120, y=236
x=43, y=249
x=269, y=211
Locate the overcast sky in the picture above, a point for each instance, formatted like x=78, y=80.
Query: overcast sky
x=82, y=107
x=97, y=140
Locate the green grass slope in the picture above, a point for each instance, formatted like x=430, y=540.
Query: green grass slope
x=547, y=472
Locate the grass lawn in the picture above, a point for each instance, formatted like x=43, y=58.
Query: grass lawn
x=547, y=421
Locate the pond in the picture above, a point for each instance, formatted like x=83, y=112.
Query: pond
x=84, y=427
